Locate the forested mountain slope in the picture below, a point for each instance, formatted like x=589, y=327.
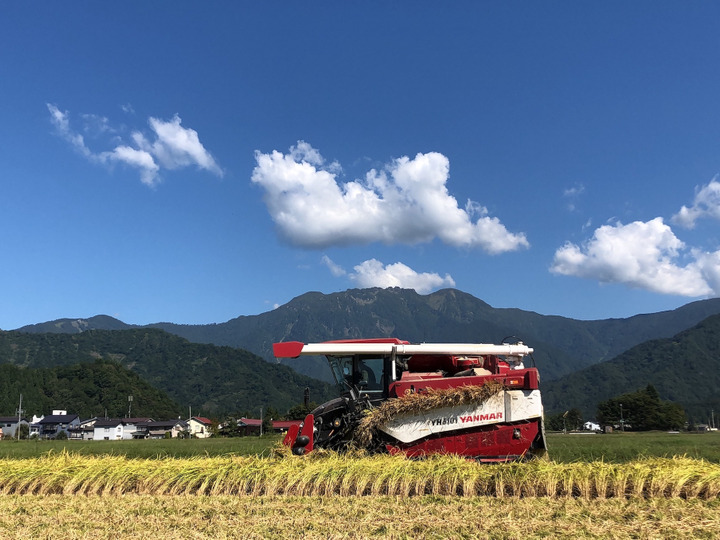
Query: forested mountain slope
x=211, y=379
x=94, y=389
x=684, y=368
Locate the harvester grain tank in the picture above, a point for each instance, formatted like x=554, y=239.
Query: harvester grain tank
x=471, y=399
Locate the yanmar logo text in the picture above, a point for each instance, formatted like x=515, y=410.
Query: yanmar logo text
x=447, y=420
x=481, y=417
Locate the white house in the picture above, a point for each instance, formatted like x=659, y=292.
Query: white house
x=591, y=426
x=200, y=427
x=115, y=429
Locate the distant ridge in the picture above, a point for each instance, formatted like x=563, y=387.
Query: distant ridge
x=562, y=345
x=75, y=326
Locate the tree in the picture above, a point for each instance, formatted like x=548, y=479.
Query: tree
x=23, y=431
x=299, y=412
x=641, y=411
x=571, y=420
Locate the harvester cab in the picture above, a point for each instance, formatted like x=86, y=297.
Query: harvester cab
x=476, y=400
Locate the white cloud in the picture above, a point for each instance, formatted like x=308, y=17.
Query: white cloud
x=173, y=146
x=373, y=273
x=643, y=255
x=407, y=202
x=335, y=269
x=706, y=203
x=572, y=195
x=62, y=124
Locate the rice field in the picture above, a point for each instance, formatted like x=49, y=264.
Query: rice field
x=30, y=517
x=325, y=474
x=270, y=494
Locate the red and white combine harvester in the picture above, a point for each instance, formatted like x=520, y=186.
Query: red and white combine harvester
x=474, y=400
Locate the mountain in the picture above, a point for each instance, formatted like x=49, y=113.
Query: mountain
x=562, y=345
x=684, y=368
x=75, y=326
x=211, y=379
x=98, y=388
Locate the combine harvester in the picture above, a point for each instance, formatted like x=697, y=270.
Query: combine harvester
x=473, y=400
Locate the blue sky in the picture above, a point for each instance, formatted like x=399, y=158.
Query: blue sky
x=192, y=162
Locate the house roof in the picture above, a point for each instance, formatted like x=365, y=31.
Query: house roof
x=285, y=424
x=109, y=422
x=166, y=424
x=58, y=419
x=252, y=422
x=10, y=419
x=202, y=420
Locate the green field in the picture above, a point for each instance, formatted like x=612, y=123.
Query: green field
x=625, y=447
x=161, y=448
x=612, y=448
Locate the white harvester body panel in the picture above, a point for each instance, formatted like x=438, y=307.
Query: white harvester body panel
x=503, y=407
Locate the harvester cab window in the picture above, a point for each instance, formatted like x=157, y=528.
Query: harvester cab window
x=370, y=374
x=363, y=373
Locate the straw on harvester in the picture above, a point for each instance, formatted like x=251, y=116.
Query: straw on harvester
x=420, y=402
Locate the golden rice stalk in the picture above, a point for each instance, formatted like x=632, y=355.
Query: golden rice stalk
x=420, y=402
x=325, y=474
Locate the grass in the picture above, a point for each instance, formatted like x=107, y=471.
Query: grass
x=177, y=448
x=625, y=447
x=612, y=448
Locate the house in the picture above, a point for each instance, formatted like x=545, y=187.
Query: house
x=108, y=429
x=249, y=426
x=85, y=430
x=281, y=426
x=591, y=426
x=51, y=426
x=199, y=427
x=158, y=430
x=115, y=429
x=9, y=425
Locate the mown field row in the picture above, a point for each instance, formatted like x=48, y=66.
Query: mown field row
x=330, y=474
x=429, y=517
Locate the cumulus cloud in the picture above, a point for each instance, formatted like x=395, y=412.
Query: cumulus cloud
x=171, y=146
x=644, y=255
x=406, y=202
x=373, y=273
x=706, y=204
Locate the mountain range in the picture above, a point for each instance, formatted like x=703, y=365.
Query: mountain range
x=581, y=362
x=562, y=345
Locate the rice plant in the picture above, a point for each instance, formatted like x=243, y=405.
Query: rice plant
x=327, y=474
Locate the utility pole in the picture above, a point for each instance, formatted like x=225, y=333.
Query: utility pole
x=261, y=421
x=622, y=422
x=19, y=413
x=130, y=400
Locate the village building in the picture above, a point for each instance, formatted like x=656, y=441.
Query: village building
x=51, y=426
x=9, y=425
x=199, y=427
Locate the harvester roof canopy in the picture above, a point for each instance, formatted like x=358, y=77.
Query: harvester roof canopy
x=293, y=349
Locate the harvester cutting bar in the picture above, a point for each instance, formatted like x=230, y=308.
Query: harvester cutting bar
x=293, y=349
